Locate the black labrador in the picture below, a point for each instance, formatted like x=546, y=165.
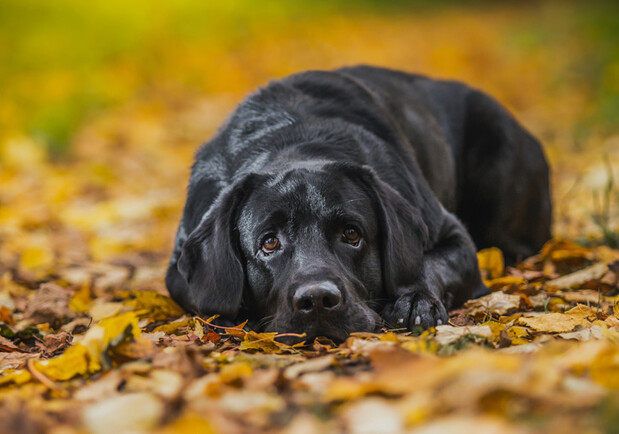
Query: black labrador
x=349, y=200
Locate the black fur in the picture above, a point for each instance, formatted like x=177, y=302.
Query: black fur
x=395, y=156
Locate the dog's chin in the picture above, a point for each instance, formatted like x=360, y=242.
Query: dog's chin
x=336, y=331
x=293, y=338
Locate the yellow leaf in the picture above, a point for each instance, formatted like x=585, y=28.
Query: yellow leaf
x=605, y=367
x=518, y=335
x=496, y=328
x=234, y=372
x=90, y=355
x=563, y=250
x=37, y=257
x=491, y=263
x=553, y=322
x=260, y=341
x=582, y=311
x=155, y=306
x=73, y=362
x=171, y=328
x=389, y=337
x=81, y=300
x=20, y=376
x=118, y=328
x=189, y=423
x=505, y=282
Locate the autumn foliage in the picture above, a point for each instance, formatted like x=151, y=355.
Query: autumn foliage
x=95, y=144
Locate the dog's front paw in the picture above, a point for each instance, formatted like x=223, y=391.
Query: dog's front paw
x=418, y=308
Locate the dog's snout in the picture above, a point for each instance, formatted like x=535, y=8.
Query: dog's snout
x=317, y=297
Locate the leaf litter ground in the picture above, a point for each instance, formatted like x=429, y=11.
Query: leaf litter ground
x=90, y=342
x=108, y=354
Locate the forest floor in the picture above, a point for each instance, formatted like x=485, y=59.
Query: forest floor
x=90, y=341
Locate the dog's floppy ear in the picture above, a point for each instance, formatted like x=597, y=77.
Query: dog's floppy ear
x=403, y=236
x=210, y=261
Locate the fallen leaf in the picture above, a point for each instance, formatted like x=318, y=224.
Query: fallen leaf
x=373, y=415
x=553, y=322
x=496, y=303
x=578, y=278
x=565, y=251
x=90, y=354
x=313, y=365
x=160, y=382
x=585, y=334
x=446, y=334
x=505, y=283
x=134, y=412
x=491, y=263
x=55, y=342
x=50, y=304
x=8, y=346
x=104, y=310
x=154, y=306
x=81, y=300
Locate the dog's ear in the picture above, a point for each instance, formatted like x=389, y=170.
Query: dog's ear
x=210, y=261
x=403, y=234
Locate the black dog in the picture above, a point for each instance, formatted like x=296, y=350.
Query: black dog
x=327, y=203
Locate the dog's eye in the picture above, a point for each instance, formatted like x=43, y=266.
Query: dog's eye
x=351, y=235
x=270, y=244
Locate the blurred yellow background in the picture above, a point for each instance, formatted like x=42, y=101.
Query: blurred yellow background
x=102, y=103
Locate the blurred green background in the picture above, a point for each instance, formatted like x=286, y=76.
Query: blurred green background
x=64, y=62
x=103, y=103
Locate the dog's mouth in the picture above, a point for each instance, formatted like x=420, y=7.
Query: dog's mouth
x=324, y=337
x=337, y=331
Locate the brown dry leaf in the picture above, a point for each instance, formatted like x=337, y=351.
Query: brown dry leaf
x=211, y=336
x=50, y=304
x=103, y=387
x=163, y=383
x=312, y=365
x=496, y=303
x=585, y=334
x=138, y=348
x=8, y=346
x=14, y=360
x=579, y=278
x=55, y=342
x=446, y=334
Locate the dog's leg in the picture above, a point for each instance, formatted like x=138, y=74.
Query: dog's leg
x=449, y=276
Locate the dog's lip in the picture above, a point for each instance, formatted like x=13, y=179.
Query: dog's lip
x=309, y=337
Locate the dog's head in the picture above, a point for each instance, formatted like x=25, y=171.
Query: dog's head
x=315, y=249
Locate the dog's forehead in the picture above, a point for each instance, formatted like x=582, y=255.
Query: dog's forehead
x=303, y=191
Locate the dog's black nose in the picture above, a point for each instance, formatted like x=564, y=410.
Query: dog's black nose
x=317, y=297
